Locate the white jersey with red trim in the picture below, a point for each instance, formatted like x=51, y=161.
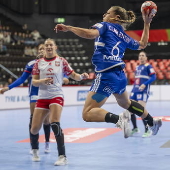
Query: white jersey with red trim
x=55, y=69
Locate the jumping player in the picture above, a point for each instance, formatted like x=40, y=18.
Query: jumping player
x=111, y=41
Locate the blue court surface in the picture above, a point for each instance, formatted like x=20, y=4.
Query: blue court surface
x=89, y=146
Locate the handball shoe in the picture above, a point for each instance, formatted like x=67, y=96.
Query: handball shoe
x=62, y=160
x=47, y=147
x=157, y=123
x=124, y=123
x=35, y=155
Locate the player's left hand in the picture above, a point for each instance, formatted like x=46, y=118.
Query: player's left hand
x=142, y=87
x=147, y=17
x=61, y=27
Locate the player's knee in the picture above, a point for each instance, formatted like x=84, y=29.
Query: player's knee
x=56, y=128
x=124, y=104
x=34, y=130
x=86, y=117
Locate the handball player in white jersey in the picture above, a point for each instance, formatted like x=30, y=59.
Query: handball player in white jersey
x=111, y=42
x=48, y=75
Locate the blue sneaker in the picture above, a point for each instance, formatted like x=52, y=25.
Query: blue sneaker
x=157, y=123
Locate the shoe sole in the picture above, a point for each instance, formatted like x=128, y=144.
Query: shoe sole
x=61, y=164
x=127, y=131
x=36, y=160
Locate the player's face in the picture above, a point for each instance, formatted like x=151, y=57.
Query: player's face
x=41, y=51
x=50, y=48
x=142, y=58
x=109, y=14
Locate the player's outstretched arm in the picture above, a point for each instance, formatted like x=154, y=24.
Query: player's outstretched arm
x=16, y=83
x=81, y=32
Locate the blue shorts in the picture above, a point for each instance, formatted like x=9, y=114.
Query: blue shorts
x=109, y=82
x=33, y=98
x=139, y=96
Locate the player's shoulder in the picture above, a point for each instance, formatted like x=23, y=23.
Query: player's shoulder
x=30, y=63
x=147, y=64
x=60, y=58
x=99, y=25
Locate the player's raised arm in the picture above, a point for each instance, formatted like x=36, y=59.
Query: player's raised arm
x=81, y=32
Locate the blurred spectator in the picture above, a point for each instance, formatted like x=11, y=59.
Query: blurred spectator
x=7, y=37
x=25, y=28
x=34, y=51
x=28, y=51
x=35, y=35
x=3, y=48
x=1, y=36
x=29, y=40
x=15, y=37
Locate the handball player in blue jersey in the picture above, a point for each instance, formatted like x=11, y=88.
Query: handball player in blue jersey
x=33, y=93
x=144, y=76
x=111, y=41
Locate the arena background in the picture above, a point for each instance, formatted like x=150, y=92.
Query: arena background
x=89, y=146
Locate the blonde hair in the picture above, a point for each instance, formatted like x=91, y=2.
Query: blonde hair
x=126, y=17
x=50, y=39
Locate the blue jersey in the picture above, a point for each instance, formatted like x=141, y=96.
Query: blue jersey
x=27, y=74
x=110, y=46
x=144, y=74
x=33, y=91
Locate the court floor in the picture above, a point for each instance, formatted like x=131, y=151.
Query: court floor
x=89, y=146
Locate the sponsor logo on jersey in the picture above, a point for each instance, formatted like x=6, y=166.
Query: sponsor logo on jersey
x=81, y=95
x=50, y=70
x=57, y=63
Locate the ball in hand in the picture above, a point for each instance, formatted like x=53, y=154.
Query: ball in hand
x=149, y=5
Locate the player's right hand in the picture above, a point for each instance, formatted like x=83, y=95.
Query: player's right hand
x=3, y=90
x=61, y=27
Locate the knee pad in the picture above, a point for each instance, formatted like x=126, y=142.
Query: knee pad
x=56, y=128
x=136, y=108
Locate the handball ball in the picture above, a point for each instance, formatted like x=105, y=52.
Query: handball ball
x=149, y=5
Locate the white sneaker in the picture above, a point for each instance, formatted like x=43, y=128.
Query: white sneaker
x=62, y=160
x=30, y=152
x=47, y=147
x=35, y=155
x=124, y=123
x=157, y=123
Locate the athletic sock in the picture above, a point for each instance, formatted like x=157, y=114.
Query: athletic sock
x=111, y=118
x=60, y=145
x=34, y=141
x=133, y=119
x=145, y=125
x=149, y=120
x=47, y=132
